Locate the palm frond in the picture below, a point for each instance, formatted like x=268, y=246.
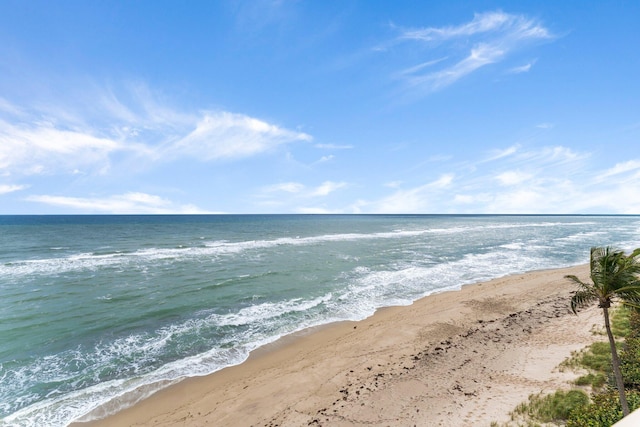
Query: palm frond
x=632, y=304
x=632, y=296
x=614, y=275
x=582, y=298
x=606, y=265
x=578, y=282
x=630, y=289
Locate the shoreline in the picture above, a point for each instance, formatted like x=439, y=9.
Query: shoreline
x=460, y=357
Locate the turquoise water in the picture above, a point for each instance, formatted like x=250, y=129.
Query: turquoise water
x=97, y=312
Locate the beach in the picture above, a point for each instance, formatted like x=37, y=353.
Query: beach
x=106, y=311
x=455, y=358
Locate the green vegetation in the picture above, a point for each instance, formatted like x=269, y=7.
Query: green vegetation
x=551, y=408
x=630, y=364
x=603, y=411
x=595, y=381
x=574, y=408
x=614, y=275
x=621, y=323
x=630, y=354
x=596, y=360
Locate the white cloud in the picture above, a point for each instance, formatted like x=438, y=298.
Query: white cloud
x=414, y=200
x=493, y=36
x=128, y=203
x=326, y=188
x=9, y=108
x=472, y=199
x=55, y=140
x=620, y=168
x=414, y=69
x=403, y=201
x=538, y=180
x=226, y=135
x=393, y=184
x=520, y=201
x=443, y=182
x=287, y=187
x=480, y=56
x=521, y=69
x=296, y=195
x=552, y=158
x=324, y=159
x=44, y=148
x=515, y=180
x=5, y=188
x=499, y=154
x=481, y=23
x=512, y=177
x=464, y=199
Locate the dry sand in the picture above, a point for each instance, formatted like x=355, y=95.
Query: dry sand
x=459, y=358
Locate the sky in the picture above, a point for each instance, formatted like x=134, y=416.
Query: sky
x=319, y=106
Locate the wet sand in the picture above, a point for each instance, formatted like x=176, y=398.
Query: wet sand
x=458, y=358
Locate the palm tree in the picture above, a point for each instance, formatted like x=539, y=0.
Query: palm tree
x=614, y=276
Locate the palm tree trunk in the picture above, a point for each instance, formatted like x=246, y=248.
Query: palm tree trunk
x=615, y=361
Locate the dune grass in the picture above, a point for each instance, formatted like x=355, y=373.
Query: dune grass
x=575, y=407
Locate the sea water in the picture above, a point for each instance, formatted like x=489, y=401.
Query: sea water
x=98, y=312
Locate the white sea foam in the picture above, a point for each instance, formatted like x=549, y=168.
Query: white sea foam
x=370, y=290
x=582, y=236
x=141, y=350
x=221, y=248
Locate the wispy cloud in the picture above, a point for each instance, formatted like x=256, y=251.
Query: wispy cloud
x=327, y=188
x=521, y=69
x=393, y=184
x=287, y=187
x=324, y=189
x=500, y=153
x=56, y=140
x=512, y=177
x=5, y=188
x=8, y=108
x=492, y=37
x=324, y=159
x=479, y=56
x=230, y=136
x=520, y=179
x=113, y=134
x=413, y=200
x=416, y=68
x=42, y=147
x=516, y=179
x=481, y=23
x=621, y=169
x=128, y=203
x=295, y=195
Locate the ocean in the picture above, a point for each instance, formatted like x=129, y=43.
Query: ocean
x=98, y=312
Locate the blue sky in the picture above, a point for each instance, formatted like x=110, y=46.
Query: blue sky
x=333, y=106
